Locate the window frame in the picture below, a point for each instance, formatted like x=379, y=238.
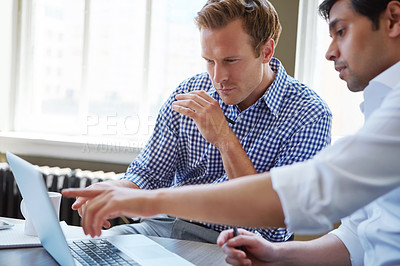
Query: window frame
x=9, y=12
x=307, y=24
x=51, y=145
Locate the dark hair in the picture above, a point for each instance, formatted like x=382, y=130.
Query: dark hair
x=369, y=8
x=260, y=19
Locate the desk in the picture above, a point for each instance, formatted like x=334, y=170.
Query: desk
x=195, y=252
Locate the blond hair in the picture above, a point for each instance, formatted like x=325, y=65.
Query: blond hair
x=260, y=19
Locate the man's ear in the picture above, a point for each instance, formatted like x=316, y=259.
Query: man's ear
x=393, y=15
x=268, y=51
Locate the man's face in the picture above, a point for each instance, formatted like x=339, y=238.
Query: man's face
x=236, y=73
x=356, y=48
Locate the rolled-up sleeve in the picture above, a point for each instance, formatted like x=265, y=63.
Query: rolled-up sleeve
x=344, y=177
x=347, y=233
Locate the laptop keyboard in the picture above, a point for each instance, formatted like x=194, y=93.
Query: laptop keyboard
x=99, y=252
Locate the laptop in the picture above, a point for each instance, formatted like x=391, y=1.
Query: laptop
x=125, y=249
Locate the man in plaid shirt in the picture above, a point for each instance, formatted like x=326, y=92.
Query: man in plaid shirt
x=244, y=116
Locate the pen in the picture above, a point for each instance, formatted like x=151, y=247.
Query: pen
x=123, y=218
x=235, y=233
x=229, y=120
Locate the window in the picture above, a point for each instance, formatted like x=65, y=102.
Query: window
x=94, y=73
x=314, y=70
x=103, y=68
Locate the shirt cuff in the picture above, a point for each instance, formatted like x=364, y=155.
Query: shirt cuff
x=295, y=185
x=349, y=237
x=138, y=180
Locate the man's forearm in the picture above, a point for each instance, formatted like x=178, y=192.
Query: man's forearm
x=125, y=183
x=326, y=250
x=249, y=201
x=236, y=162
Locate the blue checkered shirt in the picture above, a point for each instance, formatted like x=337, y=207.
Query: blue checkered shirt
x=289, y=123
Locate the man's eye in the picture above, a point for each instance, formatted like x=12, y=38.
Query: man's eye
x=231, y=60
x=340, y=32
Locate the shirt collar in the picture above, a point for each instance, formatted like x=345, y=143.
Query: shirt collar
x=378, y=88
x=389, y=77
x=275, y=93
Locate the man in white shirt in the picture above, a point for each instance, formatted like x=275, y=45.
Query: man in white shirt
x=371, y=235
x=344, y=177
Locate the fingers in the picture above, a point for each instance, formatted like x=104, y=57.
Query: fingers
x=256, y=249
x=99, y=209
x=235, y=261
x=188, y=110
x=192, y=98
x=93, y=221
x=224, y=236
x=235, y=256
x=233, y=252
x=206, y=113
x=106, y=224
x=199, y=95
x=81, y=192
x=77, y=205
x=245, y=232
x=81, y=195
x=247, y=241
x=193, y=102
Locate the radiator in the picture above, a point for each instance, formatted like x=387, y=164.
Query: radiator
x=55, y=179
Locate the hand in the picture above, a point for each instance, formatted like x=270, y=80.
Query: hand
x=206, y=113
x=80, y=202
x=258, y=251
x=108, y=203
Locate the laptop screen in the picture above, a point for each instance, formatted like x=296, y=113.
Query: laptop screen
x=33, y=190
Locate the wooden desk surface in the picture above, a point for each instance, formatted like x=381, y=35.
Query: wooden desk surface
x=195, y=252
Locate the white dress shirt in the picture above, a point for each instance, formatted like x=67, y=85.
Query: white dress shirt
x=350, y=174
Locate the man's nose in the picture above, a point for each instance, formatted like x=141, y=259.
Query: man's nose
x=220, y=73
x=332, y=53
